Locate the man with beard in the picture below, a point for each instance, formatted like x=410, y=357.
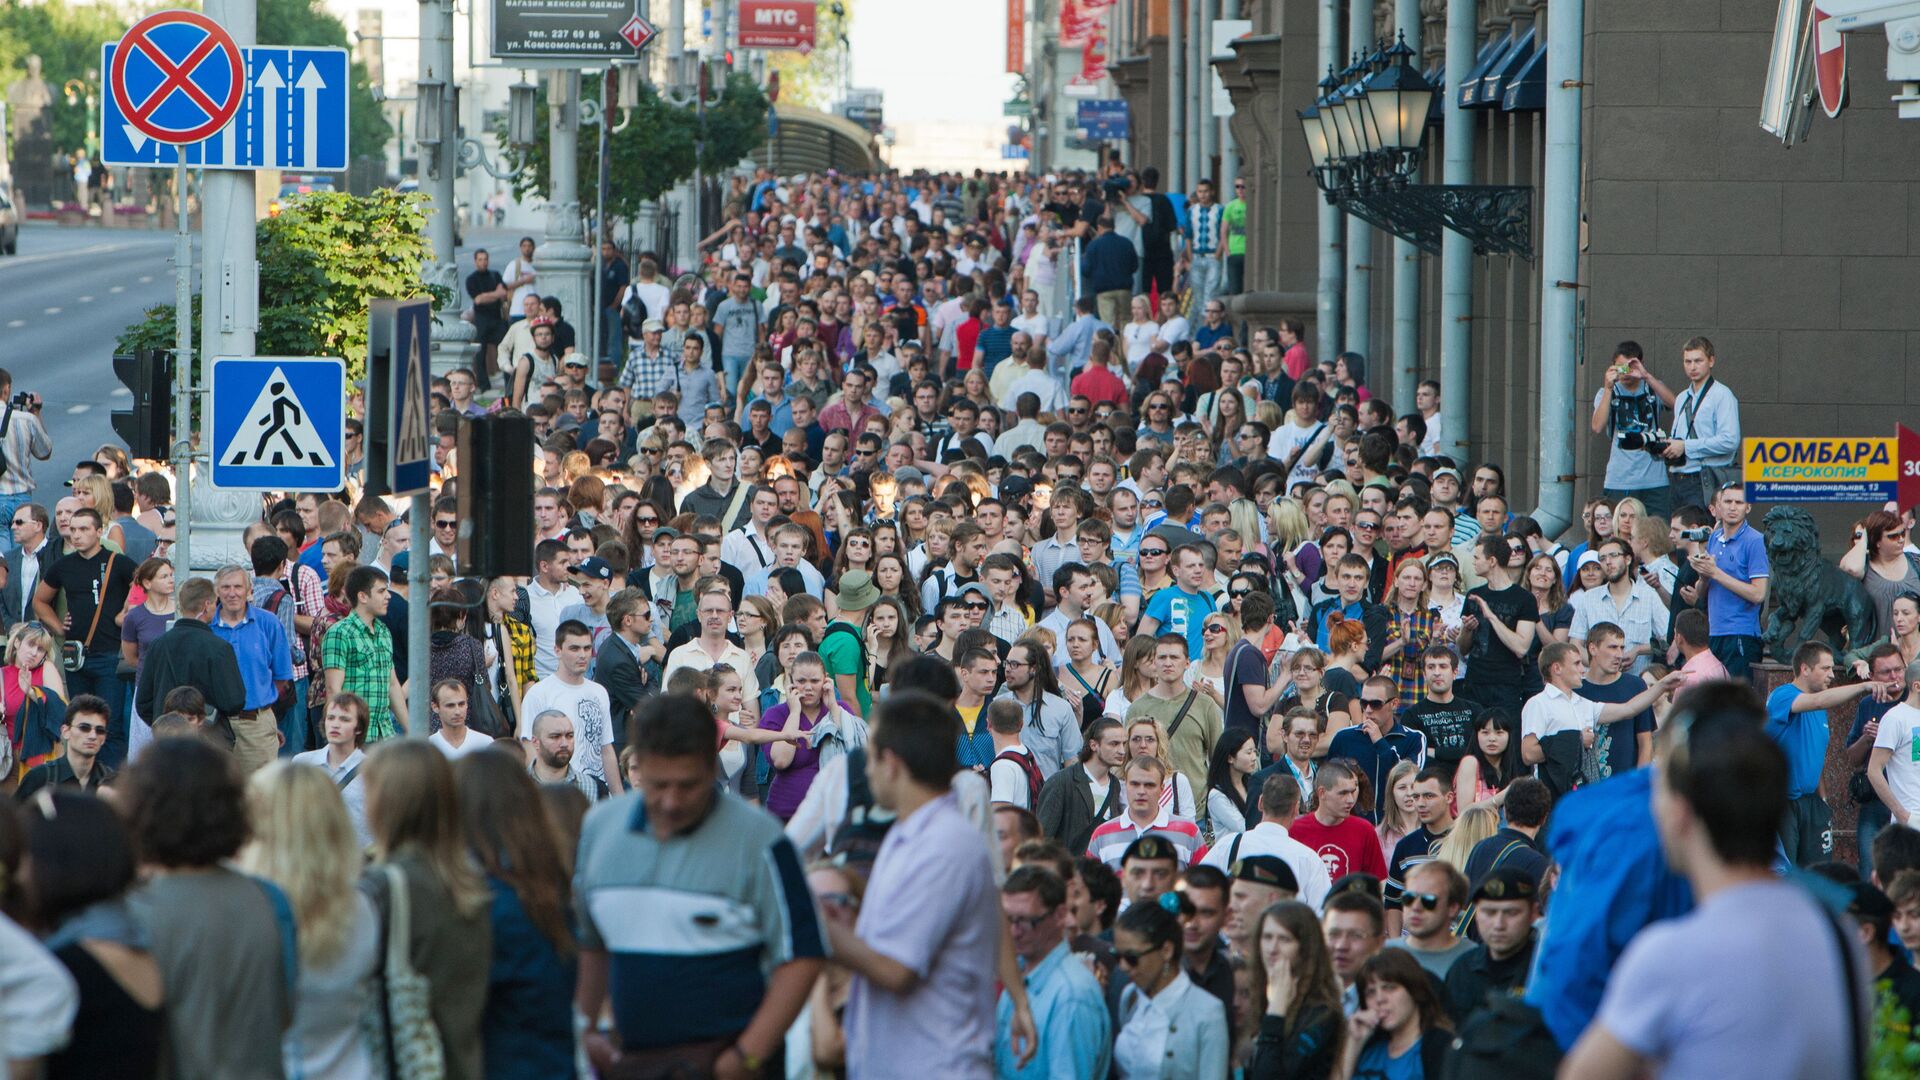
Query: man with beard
x=1627, y=602
x=553, y=755
x=1052, y=729
x=1087, y=793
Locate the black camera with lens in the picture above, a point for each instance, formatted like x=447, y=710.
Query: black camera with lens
x=1696, y=536
x=1650, y=441
x=25, y=401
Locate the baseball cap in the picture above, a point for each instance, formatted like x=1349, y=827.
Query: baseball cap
x=1448, y=470
x=401, y=563
x=653, y=326
x=1506, y=883
x=907, y=474
x=1265, y=870
x=1587, y=558
x=1447, y=557
x=594, y=567
x=1014, y=488
x=575, y=359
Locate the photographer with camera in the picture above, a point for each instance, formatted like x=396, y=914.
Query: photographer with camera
x=1628, y=411
x=23, y=437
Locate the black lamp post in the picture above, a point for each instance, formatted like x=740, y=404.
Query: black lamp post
x=1365, y=137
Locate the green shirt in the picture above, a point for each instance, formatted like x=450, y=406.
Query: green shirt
x=363, y=655
x=840, y=653
x=1234, y=221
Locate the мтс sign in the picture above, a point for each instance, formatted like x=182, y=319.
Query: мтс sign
x=776, y=24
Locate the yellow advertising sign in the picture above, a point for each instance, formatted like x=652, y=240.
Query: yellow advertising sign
x=1820, y=470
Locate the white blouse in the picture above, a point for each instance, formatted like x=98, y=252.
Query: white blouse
x=1179, y=1034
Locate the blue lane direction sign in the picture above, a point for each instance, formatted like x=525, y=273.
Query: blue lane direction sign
x=279, y=423
x=1103, y=119
x=292, y=116
x=404, y=330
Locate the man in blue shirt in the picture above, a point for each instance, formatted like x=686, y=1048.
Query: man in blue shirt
x=1734, y=569
x=1797, y=720
x=266, y=665
x=1067, y=351
x=1379, y=741
x=1182, y=608
x=1069, y=1010
x=1107, y=267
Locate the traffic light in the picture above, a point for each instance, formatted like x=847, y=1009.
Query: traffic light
x=147, y=424
x=495, y=487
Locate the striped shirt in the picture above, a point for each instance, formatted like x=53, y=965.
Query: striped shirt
x=1111, y=840
x=26, y=439
x=695, y=923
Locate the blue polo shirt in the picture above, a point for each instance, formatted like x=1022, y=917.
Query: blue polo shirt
x=1803, y=735
x=260, y=645
x=1184, y=613
x=1744, y=556
x=782, y=418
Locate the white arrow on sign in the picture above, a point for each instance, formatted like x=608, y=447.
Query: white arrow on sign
x=270, y=84
x=312, y=83
x=135, y=136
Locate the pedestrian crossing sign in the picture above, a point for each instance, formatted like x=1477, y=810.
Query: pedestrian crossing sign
x=401, y=333
x=278, y=423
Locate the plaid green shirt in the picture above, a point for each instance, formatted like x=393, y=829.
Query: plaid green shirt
x=364, y=657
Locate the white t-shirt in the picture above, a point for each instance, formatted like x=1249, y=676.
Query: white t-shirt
x=472, y=744
x=1551, y=712
x=586, y=702
x=1900, y=733
x=515, y=268
x=1139, y=338
x=1009, y=781
x=1175, y=330
x=1034, y=326
x=1283, y=443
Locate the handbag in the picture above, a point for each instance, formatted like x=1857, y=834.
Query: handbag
x=413, y=1042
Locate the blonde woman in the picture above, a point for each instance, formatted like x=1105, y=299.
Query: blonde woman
x=414, y=815
x=1146, y=738
x=1135, y=659
x=1290, y=539
x=304, y=843
x=1476, y=824
x=1243, y=517
x=1396, y=807
x=25, y=682
x=97, y=492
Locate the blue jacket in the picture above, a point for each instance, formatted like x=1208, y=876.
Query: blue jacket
x=1108, y=263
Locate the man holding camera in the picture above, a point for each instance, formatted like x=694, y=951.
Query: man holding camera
x=1628, y=411
x=23, y=437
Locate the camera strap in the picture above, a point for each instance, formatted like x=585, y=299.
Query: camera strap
x=1693, y=407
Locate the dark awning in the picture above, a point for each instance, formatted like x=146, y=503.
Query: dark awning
x=1493, y=84
x=1469, y=87
x=1526, y=89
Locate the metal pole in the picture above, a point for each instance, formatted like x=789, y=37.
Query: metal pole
x=1359, y=233
x=1456, y=252
x=1199, y=92
x=1560, y=264
x=437, y=162
x=182, y=375
x=600, y=231
x=1175, y=178
x=1331, y=292
x=1406, y=265
x=229, y=305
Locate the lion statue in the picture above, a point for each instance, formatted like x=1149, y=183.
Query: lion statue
x=1809, y=593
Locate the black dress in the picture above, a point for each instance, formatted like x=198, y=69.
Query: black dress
x=115, y=1037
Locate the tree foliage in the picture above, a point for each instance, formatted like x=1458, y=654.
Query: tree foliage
x=67, y=35
x=656, y=150
x=813, y=78
x=321, y=261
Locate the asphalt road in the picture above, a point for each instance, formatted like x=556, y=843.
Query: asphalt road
x=64, y=299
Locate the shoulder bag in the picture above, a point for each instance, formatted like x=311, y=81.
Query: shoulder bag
x=413, y=1042
x=75, y=659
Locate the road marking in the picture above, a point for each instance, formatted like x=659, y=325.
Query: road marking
x=76, y=410
x=118, y=289
x=86, y=299
x=14, y=324
x=91, y=249
x=145, y=278
x=51, y=311
x=121, y=391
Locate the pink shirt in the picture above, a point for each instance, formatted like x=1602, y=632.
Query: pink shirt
x=1704, y=667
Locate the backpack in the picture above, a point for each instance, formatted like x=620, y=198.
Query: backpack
x=633, y=313
x=1505, y=1039
x=865, y=825
x=284, y=607
x=1030, y=769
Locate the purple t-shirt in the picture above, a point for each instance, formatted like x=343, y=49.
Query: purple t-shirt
x=143, y=628
x=789, y=785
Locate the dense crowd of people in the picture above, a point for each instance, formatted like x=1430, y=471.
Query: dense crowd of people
x=931, y=660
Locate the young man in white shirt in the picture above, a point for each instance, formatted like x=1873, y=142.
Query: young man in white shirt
x=548, y=594
x=344, y=727
x=749, y=547
x=585, y=702
x=1558, y=709
x=454, y=738
x=1012, y=775
x=1894, y=766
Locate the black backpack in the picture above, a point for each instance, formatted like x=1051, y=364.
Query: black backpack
x=1505, y=1039
x=633, y=313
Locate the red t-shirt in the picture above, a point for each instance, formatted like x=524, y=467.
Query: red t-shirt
x=1351, y=847
x=1098, y=384
x=965, y=336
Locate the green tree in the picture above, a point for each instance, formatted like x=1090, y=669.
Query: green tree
x=814, y=78
x=306, y=23
x=656, y=150
x=321, y=261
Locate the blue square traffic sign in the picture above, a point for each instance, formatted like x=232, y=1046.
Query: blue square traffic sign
x=403, y=329
x=292, y=115
x=278, y=423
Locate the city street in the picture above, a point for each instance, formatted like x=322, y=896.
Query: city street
x=63, y=302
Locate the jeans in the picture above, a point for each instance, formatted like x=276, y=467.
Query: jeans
x=613, y=344
x=100, y=675
x=1737, y=651
x=733, y=367
x=1658, y=501
x=293, y=723
x=1204, y=276
x=1236, y=274
x=10, y=503
x=1873, y=817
